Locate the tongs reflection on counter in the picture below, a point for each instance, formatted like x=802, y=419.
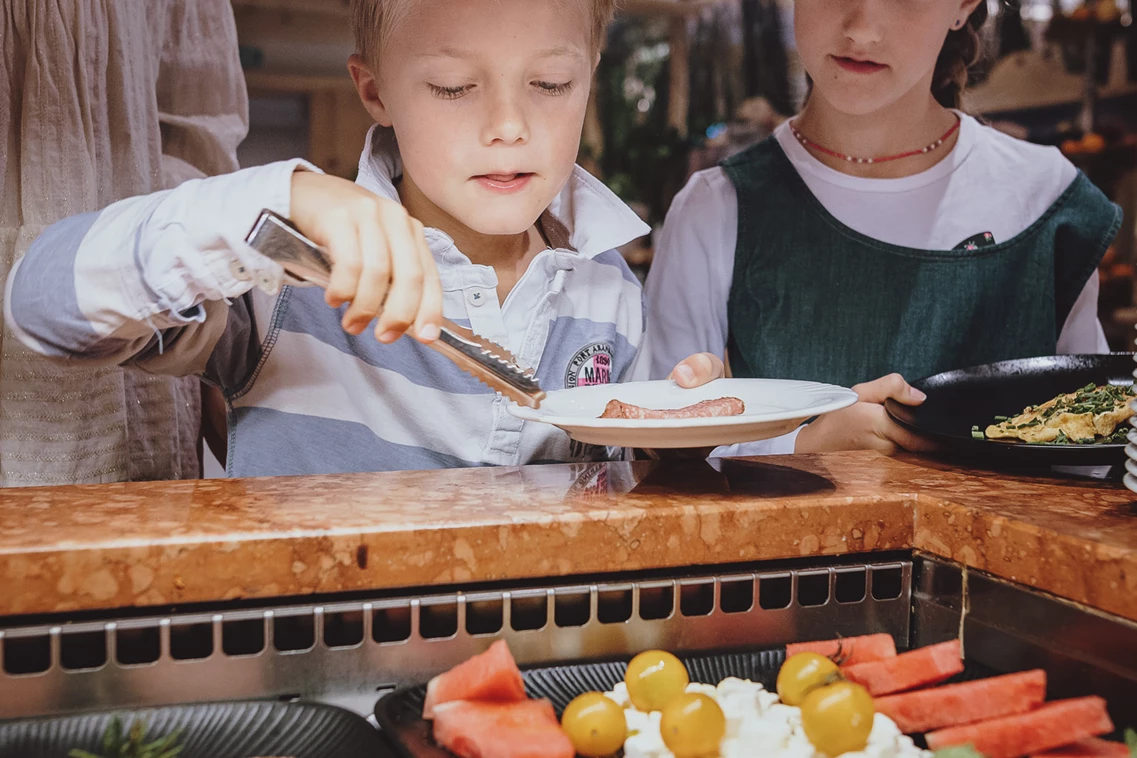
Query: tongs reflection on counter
x=305, y=262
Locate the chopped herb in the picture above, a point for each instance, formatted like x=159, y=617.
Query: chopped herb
x=1089, y=401
x=1131, y=742
x=133, y=744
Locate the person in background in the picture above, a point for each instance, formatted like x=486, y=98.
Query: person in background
x=881, y=230
x=102, y=100
x=468, y=204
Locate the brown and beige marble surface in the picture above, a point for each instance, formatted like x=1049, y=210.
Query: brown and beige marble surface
x=108, y=546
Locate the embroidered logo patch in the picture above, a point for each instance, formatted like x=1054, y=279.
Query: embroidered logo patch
x=590, y=366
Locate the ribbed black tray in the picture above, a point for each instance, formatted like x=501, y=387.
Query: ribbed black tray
x=400, y=712
x=242, y=729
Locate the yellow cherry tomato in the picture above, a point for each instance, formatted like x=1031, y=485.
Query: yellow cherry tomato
x=837, y=718
x=693, y=726
x=654, y=677
x=595, y=724
x=801, y=673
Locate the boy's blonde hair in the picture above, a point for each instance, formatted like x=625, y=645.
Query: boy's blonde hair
x=372, y=21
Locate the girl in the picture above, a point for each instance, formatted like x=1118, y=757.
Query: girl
x=881, y=230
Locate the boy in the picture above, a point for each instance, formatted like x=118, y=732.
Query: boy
x=468, y=203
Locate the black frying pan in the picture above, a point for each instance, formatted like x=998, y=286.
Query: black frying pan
x=960, y=399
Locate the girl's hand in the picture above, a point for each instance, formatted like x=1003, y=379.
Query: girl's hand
x=381, y=263
x=866, y=425
x=692, y=372
x=698, y=370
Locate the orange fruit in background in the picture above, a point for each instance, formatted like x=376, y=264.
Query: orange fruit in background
x=1071, y=147
x=1093, y=143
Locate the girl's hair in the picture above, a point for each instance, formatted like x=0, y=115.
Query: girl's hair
x=962, y=50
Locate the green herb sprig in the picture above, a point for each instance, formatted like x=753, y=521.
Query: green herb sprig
x=132, y=743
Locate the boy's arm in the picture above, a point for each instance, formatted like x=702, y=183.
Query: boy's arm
x=147, y=280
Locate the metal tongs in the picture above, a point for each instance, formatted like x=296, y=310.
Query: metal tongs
x=304, y=263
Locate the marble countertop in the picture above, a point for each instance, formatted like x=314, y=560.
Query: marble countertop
x=76, y=548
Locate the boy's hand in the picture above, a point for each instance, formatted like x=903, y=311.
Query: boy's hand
x=698, y=370
x=866, y=425
x=381, y=263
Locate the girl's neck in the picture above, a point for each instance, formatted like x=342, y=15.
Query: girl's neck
x=908, y=124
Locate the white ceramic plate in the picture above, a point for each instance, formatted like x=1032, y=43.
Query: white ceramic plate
x=773, y=407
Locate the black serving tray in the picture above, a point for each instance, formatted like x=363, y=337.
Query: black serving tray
x=399, y=713
x=960, y=399
x=240, y=729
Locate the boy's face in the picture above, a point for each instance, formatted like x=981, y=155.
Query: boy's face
x=487, y=100
x=865, y=55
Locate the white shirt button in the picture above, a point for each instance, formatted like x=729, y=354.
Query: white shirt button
x=477, y=298
x=239, y=270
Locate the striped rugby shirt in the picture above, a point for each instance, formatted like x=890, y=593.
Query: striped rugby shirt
x=165, y=283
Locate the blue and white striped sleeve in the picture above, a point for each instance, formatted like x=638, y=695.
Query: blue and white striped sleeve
x=146, y=281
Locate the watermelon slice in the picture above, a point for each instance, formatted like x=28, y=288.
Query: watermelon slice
x=916, y=668
x=1090, y=747
x=864, y=649
x=956, y=704
x=491, y=676
x=523, y=729
x=1053, y=725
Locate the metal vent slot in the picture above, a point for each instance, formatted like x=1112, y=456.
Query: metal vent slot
x=572, y=607
x=191, y=641
x=391, y=622
x=813, y=588
x=27, y=654
x=736, y=596
x=294, y=632
x=83, y=650
x=697, y=598
x=343, y=629
x=438, y=618
x=657, y=600
x=528, y=610
x=243, y=636
x=137, y=645
x=888, y=582
x=485, y=614
x=775, y=591
x=614, y=605
x=850, y=585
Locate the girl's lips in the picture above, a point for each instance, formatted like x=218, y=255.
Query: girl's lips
x=857, y=66
x=504, y=182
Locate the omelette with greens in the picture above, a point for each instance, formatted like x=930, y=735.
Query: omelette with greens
x=1092, y=415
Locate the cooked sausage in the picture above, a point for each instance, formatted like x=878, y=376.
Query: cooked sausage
x=723, y=406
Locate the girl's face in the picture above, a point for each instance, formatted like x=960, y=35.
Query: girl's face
x=865, y=55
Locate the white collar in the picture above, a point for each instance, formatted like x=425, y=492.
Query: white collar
x=594, y=219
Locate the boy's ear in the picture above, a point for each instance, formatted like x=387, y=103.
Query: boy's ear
x=367, y=85
x=968, y=7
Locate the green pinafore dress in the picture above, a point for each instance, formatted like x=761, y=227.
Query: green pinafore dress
x=813, y=299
